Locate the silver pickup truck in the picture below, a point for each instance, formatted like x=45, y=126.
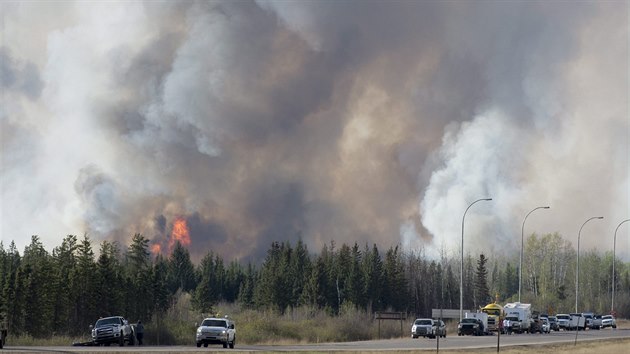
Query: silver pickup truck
x=113, y=329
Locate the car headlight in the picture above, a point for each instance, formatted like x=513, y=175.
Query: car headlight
x=199, y=330
x=459, y=326
x=224, y=332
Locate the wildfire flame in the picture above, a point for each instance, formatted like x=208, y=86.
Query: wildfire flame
x=156, y=248
x=180, y=233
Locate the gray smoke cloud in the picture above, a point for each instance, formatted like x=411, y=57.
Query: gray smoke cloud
x=349, y=121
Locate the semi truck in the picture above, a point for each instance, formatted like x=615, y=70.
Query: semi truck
x=495, y=316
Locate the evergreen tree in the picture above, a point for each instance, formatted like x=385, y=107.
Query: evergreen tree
x=65, y=263
x=139, y=294
x=109, y=280
x=208, y=291
x=246, y=289
x=36, y=289
x=11, y=305
x=482, y=293
x=395, y=291
x=181, y=272
x=373, y=270
x=299, y=270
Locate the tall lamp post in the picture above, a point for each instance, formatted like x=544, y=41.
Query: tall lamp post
x=612, y=302
x=461, y=266
x=577, y=264
x=520, y=263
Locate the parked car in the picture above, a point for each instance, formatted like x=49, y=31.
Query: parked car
x=564, y=321
x=588, y=317
x=470, y=326
x=216, y=331
x=440, y=328
x=578, y=321
x=553, y=323
x=545, y=327
x=597, y=322
x=609, y=321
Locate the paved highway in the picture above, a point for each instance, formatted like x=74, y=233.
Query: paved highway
x=401, y=344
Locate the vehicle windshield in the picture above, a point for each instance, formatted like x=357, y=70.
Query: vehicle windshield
x=606, y=317
x=107, y=321
x=493, y=312
x=424, y=322
x=214, y=323
x=469, y=320
x=512, y=318
x=563, y=317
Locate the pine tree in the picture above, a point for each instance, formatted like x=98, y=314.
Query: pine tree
x=65, y=263
x=84, y=286
x=482, y=293
x=139, y=294
x=109, y=280
x=11, y=305
x=181, y=272
x=373, y=270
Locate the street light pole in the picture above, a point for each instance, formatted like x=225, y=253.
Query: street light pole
x=461, y=266
x=612, y=302
x=577, y=264
x=520, y=263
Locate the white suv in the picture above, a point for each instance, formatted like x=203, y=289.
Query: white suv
x=216, y=331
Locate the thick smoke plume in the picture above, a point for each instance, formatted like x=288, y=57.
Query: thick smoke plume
x=351, y=121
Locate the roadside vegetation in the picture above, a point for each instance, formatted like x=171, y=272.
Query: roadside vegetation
x=293, y=295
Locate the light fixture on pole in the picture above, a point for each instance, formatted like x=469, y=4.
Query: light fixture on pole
x=520, y=263
x=577, y=264
x=461, y=266
x=612, y=301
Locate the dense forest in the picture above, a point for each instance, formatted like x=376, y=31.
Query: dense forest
x=45, y=294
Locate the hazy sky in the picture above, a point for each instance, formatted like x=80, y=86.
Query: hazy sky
x=354, y=121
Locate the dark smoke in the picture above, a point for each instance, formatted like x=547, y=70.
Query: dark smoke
x=369, y=122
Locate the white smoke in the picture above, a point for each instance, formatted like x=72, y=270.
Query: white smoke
x=347, y=121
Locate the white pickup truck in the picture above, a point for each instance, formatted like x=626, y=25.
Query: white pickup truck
x=113, y=329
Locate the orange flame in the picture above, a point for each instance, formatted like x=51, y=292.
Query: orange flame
x=156, y=248
x=180, y=233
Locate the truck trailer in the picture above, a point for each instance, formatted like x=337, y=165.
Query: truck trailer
x=523, y=312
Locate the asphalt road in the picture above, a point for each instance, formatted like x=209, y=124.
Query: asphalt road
x=401, y=344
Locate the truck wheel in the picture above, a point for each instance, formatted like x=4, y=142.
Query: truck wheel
x=224, y=344
x=205, y=345
x=198, y=344
x=122, y=340
x=232, y=343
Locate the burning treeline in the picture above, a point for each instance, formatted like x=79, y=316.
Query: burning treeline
x=179, y=233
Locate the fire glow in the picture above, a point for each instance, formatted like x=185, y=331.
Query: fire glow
x=180, y=233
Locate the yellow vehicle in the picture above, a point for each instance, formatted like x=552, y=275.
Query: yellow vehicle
x=495, y=315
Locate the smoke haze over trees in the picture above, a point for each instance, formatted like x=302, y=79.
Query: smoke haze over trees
x=272, y=121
